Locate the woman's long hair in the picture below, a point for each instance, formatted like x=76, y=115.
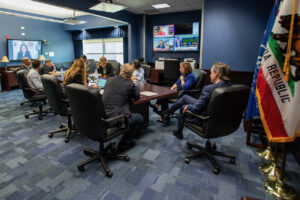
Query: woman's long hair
x=77, y=67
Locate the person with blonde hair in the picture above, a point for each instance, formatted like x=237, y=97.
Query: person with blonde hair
x=76, y=73
x=26, y=64
x=104, y=68
x=119, y=92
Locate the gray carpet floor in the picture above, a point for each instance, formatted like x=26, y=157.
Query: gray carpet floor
x=32, y=166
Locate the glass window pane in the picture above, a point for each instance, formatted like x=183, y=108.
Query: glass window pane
x=92, y=48
x=94, y=56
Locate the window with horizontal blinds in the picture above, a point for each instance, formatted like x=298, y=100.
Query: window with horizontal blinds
x=111, y=48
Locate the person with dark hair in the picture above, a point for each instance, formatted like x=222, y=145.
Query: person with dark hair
x=24, y=52
x=34, y=77
x=48, y=68
x=161, y=45
x=219, y=78
x=76, y=73
x=118, y=94
x=138, y=73
x=90, y=68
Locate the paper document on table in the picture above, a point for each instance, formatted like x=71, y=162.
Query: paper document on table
x=147, y=93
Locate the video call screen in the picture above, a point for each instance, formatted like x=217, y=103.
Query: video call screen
x=18, y=49
x=178, y=37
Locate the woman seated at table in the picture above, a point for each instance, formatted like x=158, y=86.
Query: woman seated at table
x=76, y=73
x=186, y=81
x=104, y=68
x=138, y=73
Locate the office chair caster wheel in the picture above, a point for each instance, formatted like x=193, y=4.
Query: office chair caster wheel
x=216, y=170
x=50, y=135
x=189, y=146
x=26, y=116
x=81, y=168
x=40, y=118
x=187, y=161
x=127, y=158
x=109, y=174
x=61, y=126
x=66, y=140
x=232, y=160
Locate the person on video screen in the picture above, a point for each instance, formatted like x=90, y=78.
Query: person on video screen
x=24, y=52
x=161, y=31
x=177, y=43
x=161, y=45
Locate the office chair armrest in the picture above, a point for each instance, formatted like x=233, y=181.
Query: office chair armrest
x=185, y=91
x=195, y=115
x=113, y=118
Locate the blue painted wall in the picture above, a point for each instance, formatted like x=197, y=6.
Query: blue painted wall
x=172, y=18
x=60, y=41
x=233, y=30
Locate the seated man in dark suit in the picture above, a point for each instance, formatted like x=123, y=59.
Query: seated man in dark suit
x=118, y=93
x=48, y=68
x=219, y=78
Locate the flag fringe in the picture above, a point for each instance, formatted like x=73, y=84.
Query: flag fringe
x=266, y=127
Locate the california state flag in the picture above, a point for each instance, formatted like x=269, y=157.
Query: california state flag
x=278, y=85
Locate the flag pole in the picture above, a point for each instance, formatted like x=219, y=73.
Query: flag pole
x=278, y=189
x=286, y=68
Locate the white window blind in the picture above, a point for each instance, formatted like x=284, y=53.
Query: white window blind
x=111, y=48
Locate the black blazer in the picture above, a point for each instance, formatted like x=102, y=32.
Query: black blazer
x=118, y=94
x=77, y=78
x=109, y=70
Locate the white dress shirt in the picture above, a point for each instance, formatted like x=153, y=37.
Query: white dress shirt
x=34, y=79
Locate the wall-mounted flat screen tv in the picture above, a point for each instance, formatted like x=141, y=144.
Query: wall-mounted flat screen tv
x=163, y=31
x=163, y=44
x=180, y=37
x=18, y=49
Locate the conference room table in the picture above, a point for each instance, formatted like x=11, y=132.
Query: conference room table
x=142, y=105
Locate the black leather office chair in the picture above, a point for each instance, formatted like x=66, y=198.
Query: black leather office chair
x=222, y=117
x=17, y=78
x=90, y=119
x=116, y=67
x=34, y=96
x=58, y=103
x=147, y=71
x=171, y=71
x=196, y=91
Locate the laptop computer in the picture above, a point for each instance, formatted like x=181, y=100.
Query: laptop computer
x=101, y=82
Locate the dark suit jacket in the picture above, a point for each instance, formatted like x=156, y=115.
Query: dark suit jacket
x=77, y=78
x=118, y=94
x=26, y=68
x=201, y=103
x=20, y=55
x=45, y=69
x=109, y=70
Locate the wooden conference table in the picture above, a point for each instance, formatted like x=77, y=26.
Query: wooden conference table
x=142, y=105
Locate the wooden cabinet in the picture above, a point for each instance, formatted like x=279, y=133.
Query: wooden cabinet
x=156, y=75
x=8, y=80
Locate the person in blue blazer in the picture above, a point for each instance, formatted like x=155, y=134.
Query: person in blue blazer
x=186, y=81
x=219, y=78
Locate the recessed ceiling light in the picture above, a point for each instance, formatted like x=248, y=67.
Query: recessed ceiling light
x=107, y=7
x=160, y=6
x=22, y=27
x=23, y=34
